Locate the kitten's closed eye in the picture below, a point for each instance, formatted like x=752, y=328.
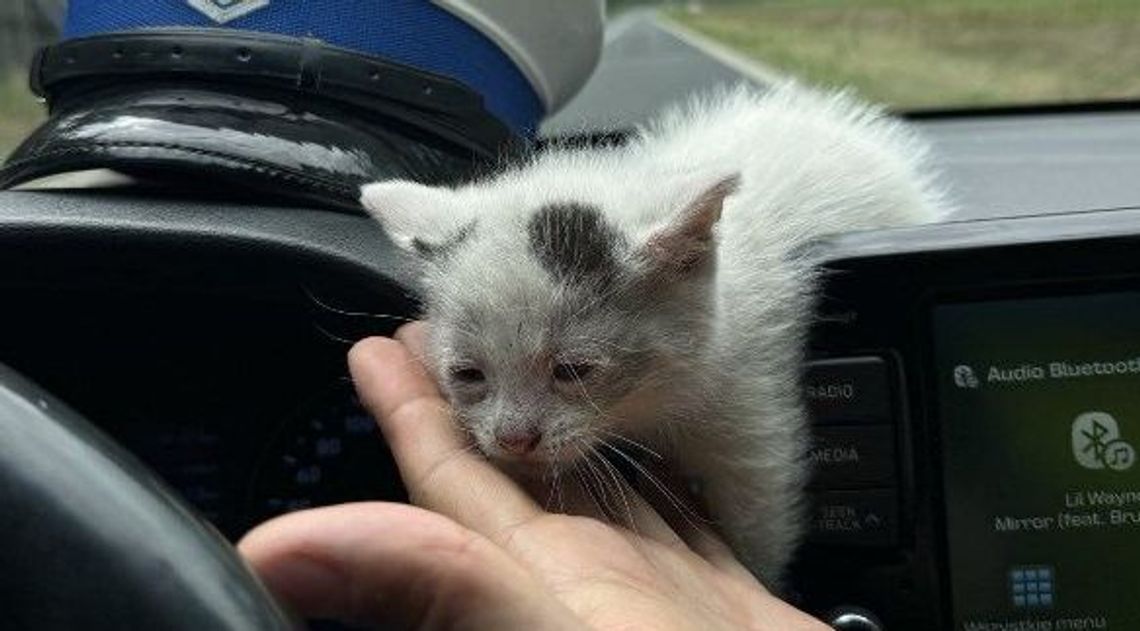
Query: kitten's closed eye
x=572, y=371
x=468, y=374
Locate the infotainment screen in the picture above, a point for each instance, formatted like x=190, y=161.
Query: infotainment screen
x=1039, y=409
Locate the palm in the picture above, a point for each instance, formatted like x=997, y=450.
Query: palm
x=645, y=583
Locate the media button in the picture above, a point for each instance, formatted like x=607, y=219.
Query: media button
x=853, y=457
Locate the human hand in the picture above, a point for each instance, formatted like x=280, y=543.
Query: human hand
x=480, y=553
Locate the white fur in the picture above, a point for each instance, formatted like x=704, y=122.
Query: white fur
x=810, y=164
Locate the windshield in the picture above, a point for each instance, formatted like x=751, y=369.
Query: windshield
x=909, y=54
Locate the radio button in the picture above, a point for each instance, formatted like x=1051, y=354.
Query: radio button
x=855, y=518
x=853, y=457
x=849, y=390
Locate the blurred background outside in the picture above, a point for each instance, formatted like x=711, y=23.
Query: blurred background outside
x=939, y=53
x=25, y=25
x=910, y=54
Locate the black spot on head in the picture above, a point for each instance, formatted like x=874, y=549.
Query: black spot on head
x=574, y=243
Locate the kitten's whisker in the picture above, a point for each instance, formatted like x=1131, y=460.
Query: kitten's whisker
x=589, y=491
x=468, y=332
x=554, y=473
x=619, y=347
x=606, y=415
x=332, y=336
x=686, y=512
x=586, y=395
x=590, y=401
x=609, y=416
x=553, y=483
x=619, y=483
x=631, y=442
x=583, y=457
x=353, y=314
x=561, y=499
x=377, y=316
x=617, y=494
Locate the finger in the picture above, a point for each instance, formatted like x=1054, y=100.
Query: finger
x=381, y=564
x=439, y=470
x=414, y=337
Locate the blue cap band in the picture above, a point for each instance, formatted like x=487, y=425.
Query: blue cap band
x=411, y=32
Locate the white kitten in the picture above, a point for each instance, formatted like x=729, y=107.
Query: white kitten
x=658, y=291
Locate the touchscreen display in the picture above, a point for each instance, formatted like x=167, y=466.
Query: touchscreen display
x=1039, y=407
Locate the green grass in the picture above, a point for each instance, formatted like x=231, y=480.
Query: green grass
x=944, y=53
x=19, y=110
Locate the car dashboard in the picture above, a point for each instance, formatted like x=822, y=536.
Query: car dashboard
x=955, y=372
x=217, y=355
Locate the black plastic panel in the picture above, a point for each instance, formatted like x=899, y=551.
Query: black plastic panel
x=209, y=342
x=876, y=301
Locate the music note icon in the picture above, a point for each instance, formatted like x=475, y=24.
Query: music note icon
x=1119, y=455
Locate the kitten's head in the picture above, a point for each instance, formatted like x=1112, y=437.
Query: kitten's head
x=555, y=325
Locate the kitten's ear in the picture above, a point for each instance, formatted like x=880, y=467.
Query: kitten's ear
x=687, y=241
x=425, y=220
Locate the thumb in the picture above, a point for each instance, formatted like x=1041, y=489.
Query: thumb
x=386, y=564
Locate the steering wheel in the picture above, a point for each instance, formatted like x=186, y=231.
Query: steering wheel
x=90, y=539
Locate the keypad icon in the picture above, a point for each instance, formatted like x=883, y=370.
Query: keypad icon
x=1032, y=586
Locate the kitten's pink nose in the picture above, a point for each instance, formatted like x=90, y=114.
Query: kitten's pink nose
x=519, y=442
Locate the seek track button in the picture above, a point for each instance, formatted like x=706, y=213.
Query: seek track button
x=855, y=518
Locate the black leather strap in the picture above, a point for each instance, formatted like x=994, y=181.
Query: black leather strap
x=438, y=105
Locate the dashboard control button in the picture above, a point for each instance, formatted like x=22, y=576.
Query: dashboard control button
x=855, y=518
x=853, y=619
x=848, y=390
x=853, y=457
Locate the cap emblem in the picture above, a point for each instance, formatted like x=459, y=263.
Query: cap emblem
x=222, y=11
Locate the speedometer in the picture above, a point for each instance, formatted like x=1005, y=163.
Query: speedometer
x=330, y=454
